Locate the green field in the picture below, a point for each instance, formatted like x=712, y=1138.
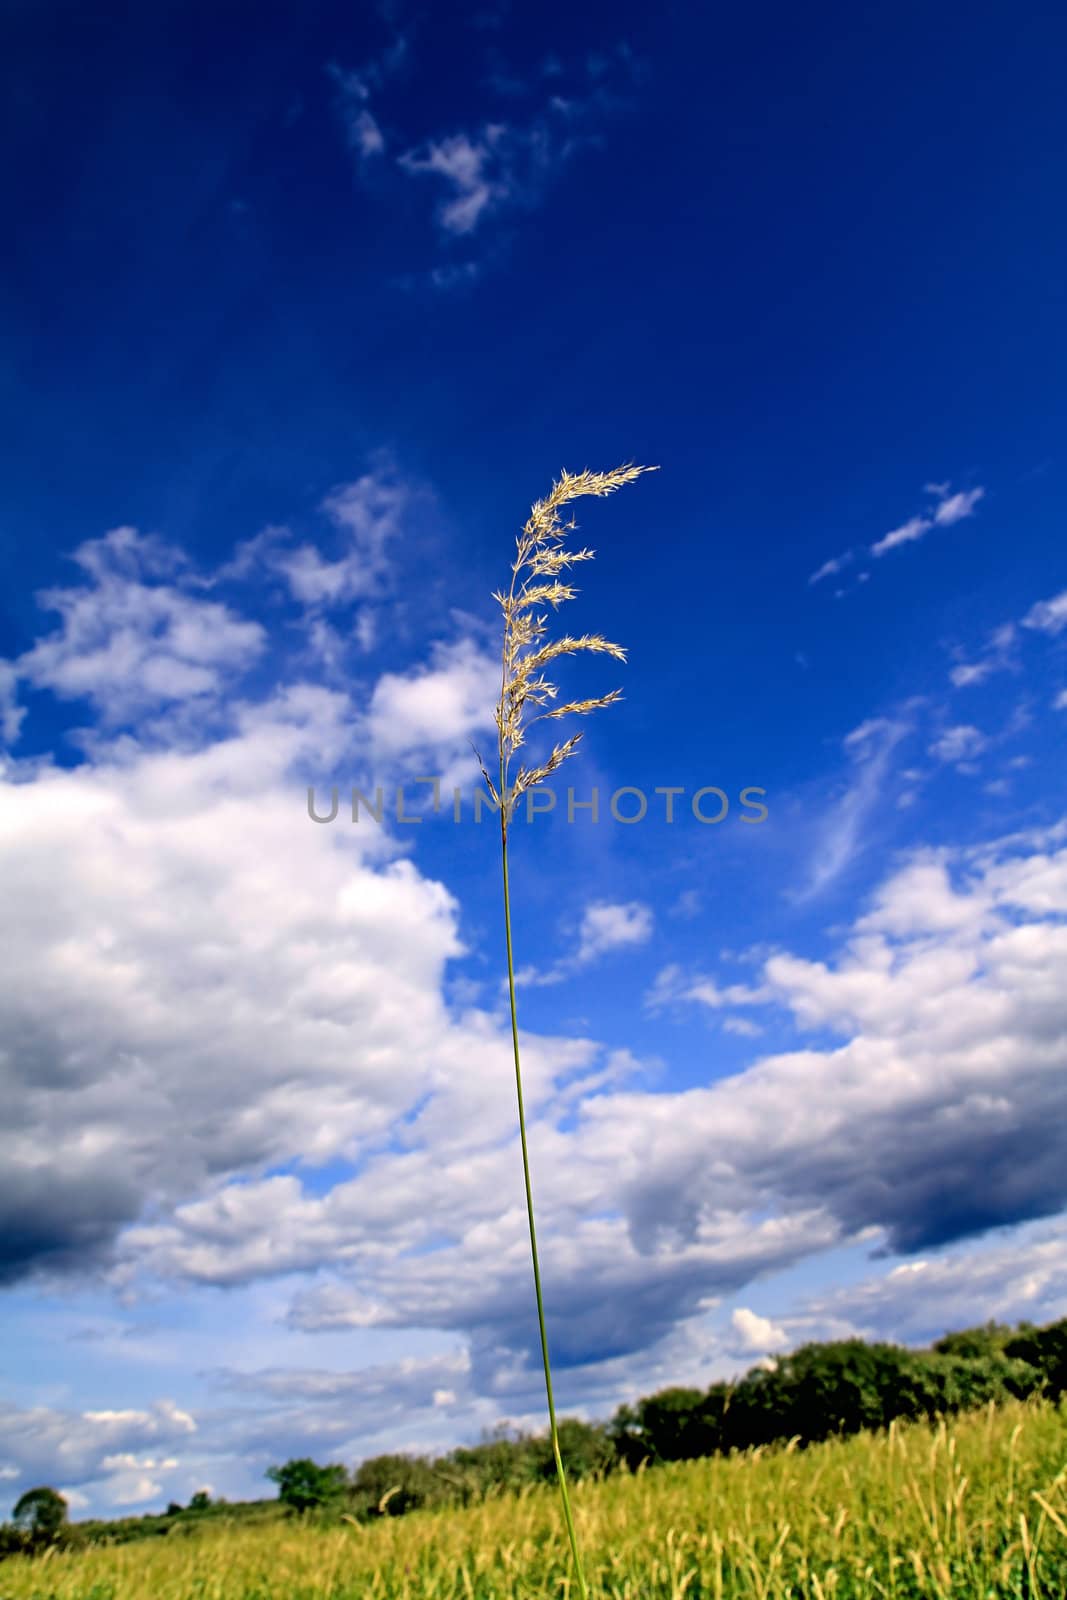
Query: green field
x=976, y=1508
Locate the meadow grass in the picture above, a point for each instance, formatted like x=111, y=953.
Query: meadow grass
x=975, y=1509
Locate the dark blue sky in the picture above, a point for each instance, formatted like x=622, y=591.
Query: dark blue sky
x=803, y=262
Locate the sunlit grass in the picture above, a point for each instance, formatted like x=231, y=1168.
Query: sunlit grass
x=976, y=1509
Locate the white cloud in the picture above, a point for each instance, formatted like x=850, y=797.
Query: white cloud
x=907, y=533
x=369, y=514
x=841, y=837
x=504, y=164
x=606, y=926
x=932, y=1116
x=201, y=981
x=11, y=713
x=476, y=170
x=1008, y=1277
x=1060, y=702
x=756, y=1335
x=949, y=509
x=365, y=134
x=134, y=1491
x=961, y=743
x=998, y=657
x=47, y=1444
x=354, y=90
x=953, y=508
x=673, y=986
x=743, y=1027
x=830, y=568
x=438, y=706
x=128, y=645
x=1048, y=616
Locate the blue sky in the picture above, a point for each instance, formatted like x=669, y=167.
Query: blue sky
x=302, y=310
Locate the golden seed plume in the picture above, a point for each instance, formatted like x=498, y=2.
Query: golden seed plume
x=541, y=554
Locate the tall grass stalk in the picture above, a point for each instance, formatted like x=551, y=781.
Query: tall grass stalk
x=541, y=555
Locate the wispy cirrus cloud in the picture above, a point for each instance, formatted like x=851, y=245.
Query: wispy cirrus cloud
x=831, y=568
x=870, y=749
x=948, y=509
x=354, y=91
x=998, y=656
x=349, y=567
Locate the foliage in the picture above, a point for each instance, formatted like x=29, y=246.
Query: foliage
x=41, y=1512
x=1044, y=1349
x=389, y=1485
x=585, y=1447
x=305, y=1486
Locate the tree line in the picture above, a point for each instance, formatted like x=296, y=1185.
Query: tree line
x=817, y=1391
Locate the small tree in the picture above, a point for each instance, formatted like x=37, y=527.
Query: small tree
x=201, y=1501
x=42, y=1512
x=585, y=1448
x=389, y=1485
x=305, y=1486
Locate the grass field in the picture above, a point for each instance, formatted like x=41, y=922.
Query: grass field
x=975, y=1509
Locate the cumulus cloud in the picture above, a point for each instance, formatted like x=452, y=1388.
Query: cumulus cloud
x=44, y=1443
x=934, y=1117
x=437, y=706
x=606, y=926
x=189, y=964
x=203, y=987
x=756, y=1335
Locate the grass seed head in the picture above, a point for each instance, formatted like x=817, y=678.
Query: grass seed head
x=541, y=554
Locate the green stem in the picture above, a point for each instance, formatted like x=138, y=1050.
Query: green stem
x=560, y=1474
